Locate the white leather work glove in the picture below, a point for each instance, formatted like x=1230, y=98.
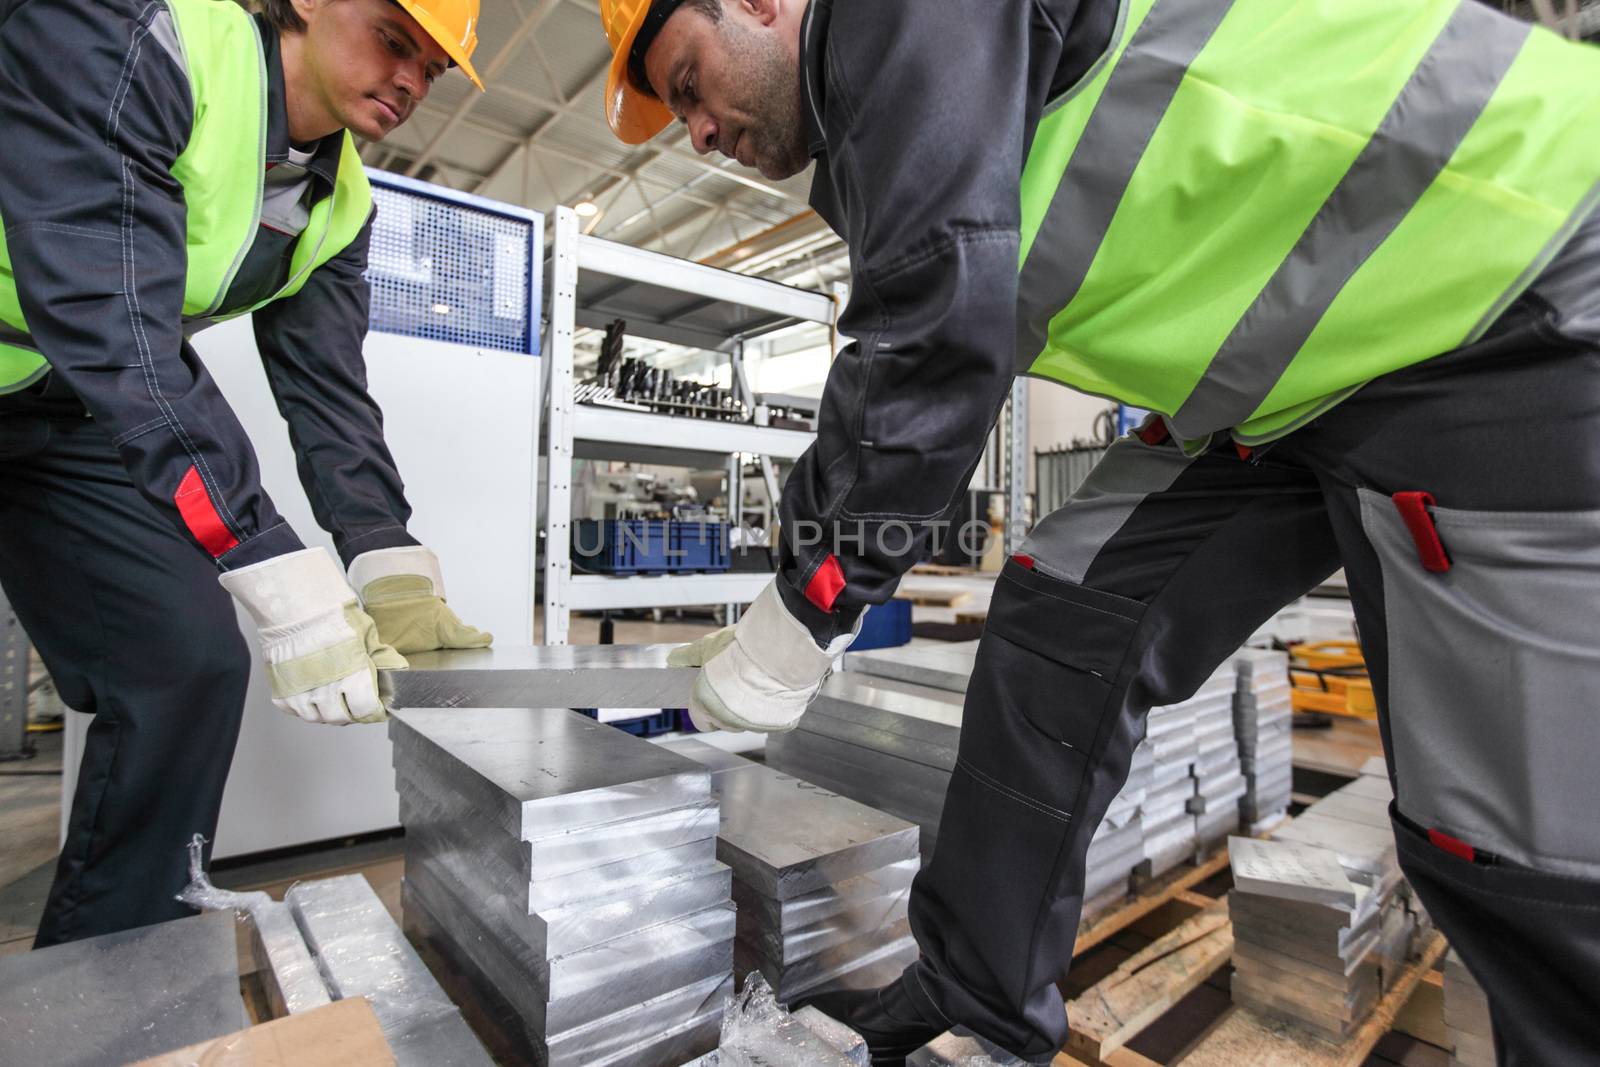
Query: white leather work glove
x=758, y=675
x=322, y=651
x=403, y=590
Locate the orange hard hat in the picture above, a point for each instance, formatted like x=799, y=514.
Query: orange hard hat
x=634, y=116
x=453, y=24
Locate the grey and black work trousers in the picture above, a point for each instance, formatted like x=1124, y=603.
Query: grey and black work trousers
x=1479, y=612
x=135, y=629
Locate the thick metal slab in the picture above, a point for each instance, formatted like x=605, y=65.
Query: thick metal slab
x=938, y=755
x=786, y=837
x=709, y=756
x=946, y=667
x=542, y=772
x=1364, y=850
x=930, y=781
x=879, y=968
x=540, y=676
x=859, y=926
x=961, y=1050
x=568, y=991
x=122, y=997
x=608, y=910
x=810, y=970
x=362, y=953
x=629, y=1032
x=851, y=895
x=288, y=973
x=915, y=711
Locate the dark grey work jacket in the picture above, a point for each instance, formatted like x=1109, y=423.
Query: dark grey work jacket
x=920, y=114
x=94, y=110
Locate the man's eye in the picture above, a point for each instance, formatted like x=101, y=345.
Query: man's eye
x=390, y=43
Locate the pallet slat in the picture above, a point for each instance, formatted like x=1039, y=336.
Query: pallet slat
x=1149, y=983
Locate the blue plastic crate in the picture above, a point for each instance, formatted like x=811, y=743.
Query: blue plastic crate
x=886, y=626
x=662, y=722
x=648, y=546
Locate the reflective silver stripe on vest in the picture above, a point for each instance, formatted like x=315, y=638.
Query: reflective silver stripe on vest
x=1136, y=97
x=1426, y=124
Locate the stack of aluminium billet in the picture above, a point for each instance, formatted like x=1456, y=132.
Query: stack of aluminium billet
x=360, y=952
x=1118, y=843
x=1263, y=718
x=821, y=881
x=1306, y=944
x=886, y=743
x=1219, y=782
x=1304, y=936
x=1166, y=813
x=1466, y=1016
x=568, y=872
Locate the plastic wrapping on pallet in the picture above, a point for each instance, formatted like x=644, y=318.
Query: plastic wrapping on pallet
x=961, y=1049
x=757, y=1032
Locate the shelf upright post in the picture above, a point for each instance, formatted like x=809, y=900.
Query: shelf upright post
x=1016, y=481
x=559, y=421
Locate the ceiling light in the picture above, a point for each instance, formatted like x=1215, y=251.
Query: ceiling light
x=586, y=208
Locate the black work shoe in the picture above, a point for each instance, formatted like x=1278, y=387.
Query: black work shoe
x=884, y=1017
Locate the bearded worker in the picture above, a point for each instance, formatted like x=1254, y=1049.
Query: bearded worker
x=1348, y=254
x=196, y=164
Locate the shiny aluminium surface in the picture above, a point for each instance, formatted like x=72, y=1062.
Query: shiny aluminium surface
x=945, y=666
x=288, y=973
x=841, y=898
x=786, y=837
x=537, y=772
x=807, y=971
x=362, y=953
x=542, y=676
x=922, y=711
x=877, y=968
x=122, y=997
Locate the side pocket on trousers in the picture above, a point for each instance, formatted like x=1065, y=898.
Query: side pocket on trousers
x=1494, y=671
x=1083, y=630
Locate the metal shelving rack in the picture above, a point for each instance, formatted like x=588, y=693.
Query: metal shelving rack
x=593, y=281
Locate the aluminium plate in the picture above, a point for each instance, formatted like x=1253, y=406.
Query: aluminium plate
x=540, y=676
x=542, y=771
x=944, y=666
x=122, y=996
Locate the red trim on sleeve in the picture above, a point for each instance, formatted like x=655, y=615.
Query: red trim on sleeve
x=1026, y=561
x=1154, y=433
x=1245, y=451
x=826, y=585
x=201, y=517
x=1454, y=846
x=1413, y=508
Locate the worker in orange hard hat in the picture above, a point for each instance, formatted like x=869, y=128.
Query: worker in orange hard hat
x=197, y=164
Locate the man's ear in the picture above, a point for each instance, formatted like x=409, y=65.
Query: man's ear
x=765, y=12
x=304, y=8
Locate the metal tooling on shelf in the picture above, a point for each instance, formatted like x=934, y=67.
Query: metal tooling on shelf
x=546, y=676
x=568, y=872
x=124, y=996
x=362, y=953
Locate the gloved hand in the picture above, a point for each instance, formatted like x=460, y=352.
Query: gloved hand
x=760, y=674
x=403, y=590
x=322, y=651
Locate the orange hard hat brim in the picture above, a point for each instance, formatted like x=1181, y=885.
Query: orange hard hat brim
x=633, y=116
x=442, y=37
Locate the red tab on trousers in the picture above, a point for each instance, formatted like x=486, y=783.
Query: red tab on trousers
x=1413, y=508
x=1453, y=845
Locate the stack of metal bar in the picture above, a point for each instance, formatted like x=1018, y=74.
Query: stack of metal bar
x=1466, y=1016
x=1168, y=823
x=1219, y=782
x=821, y=881
x=1317, y=960
x=1118, y=843
x=568, y=873
x=1263, y=719
x=888, y=743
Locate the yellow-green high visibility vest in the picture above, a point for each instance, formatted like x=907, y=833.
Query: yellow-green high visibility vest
x=1249, y=209
x=222, y=171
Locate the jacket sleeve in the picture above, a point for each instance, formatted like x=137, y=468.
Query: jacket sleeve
x=310, y=344
x=925, y=126
x=95, y=225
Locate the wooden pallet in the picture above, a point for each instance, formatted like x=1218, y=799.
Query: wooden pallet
x=944, y=570
x=1108, y=1015
x=1174, y=885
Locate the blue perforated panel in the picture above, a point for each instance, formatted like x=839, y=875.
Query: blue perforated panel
x=452, y=268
